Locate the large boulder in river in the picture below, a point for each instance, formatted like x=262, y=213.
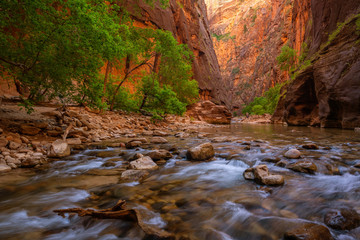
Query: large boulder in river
x=308, y=231
x=209, y=112
x=262, y=176
x=59, y=149
x=293, y=153
x=342, y=219
x=201, y=152
x=144, y=163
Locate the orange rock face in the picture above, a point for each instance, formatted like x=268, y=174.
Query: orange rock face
x=248, y=36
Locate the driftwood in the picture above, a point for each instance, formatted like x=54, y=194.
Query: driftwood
x=119, y=211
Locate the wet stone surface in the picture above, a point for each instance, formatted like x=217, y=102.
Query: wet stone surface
x=195, y=199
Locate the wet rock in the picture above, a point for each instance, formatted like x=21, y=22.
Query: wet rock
x=133, y=144
x=107, y=154
x=158, y=140
x=182, y=163
x=59, y=149
x=160, y=133
x=54, y=133
x=29, y=130
x=201, y=152
x=15, y=161
x=292, y=153
x=342, y=219
x=182, y=135
x=3, y=142
x=30, y=162
x=143, y=140
x=1, y=130
x=310, y=146
x=281, y=163
x=220, y=139
x=271, y=159
x=73, y=141
x=144, y=163
x=25, y=140
x=308, y=231
x=134, y=175
x=262, y=176
x=303, y=166
x=160, y=154
x=357, y=164
x=4, y=168
x=249, y=174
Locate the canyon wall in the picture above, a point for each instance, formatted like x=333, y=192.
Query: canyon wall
x=248, y=35
x=327, y=93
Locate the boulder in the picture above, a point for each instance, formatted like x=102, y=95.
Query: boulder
x=160, y=133
x=201, y=152
x=133, y=144
x=342, y=219
x=4, y=168
x=29, y=130
x=134, y=175
x=15, y=161
x=262, y=176
x=303, y=166
x=143, y=140
x=209, y=112
x=59, y=149
x=308, y=231
x=158, y=140
x=293, y=153
x=159, y=154
x=144, y=163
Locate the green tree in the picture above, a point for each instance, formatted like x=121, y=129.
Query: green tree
x=287, y=58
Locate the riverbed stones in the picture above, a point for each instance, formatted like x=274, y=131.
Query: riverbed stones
x=14, y=145
x=311, y=146
x=201, y=152
x=262, y=176
x=59, y=149
x=3, y=142
x=158, y=140
x=308, y=231
x=159, y=154
x=342, y=219
x=133, y=144
x=73, y=141
x=134, y=175
x=292, y=153
x=305, y=166
x=4, y=168
x=29, y=130
x=144, y=163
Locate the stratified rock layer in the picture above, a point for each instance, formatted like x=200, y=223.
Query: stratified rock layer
x=209, y=112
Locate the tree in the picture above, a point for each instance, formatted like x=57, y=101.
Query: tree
x=287, y=58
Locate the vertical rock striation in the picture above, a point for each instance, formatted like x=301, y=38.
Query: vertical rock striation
x=187, y=20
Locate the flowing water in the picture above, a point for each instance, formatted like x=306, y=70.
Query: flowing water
x=202, y=200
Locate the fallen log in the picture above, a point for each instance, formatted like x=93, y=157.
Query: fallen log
x=119, y=211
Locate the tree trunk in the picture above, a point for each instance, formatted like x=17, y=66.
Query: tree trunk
x=107, y=71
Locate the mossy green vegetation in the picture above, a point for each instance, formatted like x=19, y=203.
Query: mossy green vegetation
x=223, y=37
x=56, y=50
x=266, y=103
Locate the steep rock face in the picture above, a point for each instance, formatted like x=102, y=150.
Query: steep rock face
x=248, y=35
x=187, y=20
x=327, y=93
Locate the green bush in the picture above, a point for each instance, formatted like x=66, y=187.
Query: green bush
x=287, y=58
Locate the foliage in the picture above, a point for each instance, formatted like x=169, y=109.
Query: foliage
x=357, y=24
x=224, y=37
x=160, y=100
x=287, y=58
x=245, y=29
x=235, y=71
x=55, y=49
x=266, y=103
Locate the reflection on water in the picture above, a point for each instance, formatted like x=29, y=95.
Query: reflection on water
x=205, y=200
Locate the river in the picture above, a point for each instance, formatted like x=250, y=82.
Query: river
x=201, y=200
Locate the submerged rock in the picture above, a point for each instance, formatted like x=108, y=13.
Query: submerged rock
x=292, y=153
x=310, y=146
x=308, y=231
x=342, y=219
x=144, y=163
x=303, y=166
x=158, y=140
x=59, y=149
x=133, y=144
x=262, y=176
x=134, y=175
x=201, y=152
